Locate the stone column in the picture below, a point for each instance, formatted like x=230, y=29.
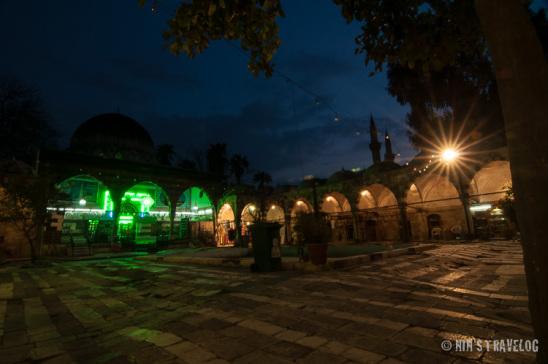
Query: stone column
x=404, y=231
x=287, y=226
x=173, y=199
x=238, y=225
x=116, y=196
x=464, y=198
x=356, y=233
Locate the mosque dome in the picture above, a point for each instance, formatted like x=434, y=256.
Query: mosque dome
x=113, y=136
x=342, y=175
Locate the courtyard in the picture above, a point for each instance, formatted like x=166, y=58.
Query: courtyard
x=396, y=310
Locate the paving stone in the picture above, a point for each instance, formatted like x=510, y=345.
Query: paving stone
x=390, y=348
x=14, y=354
x=60, y=359
x=362, y=356
x=15, y=338
x=416, y=330
x=261, y=327
x=180, y=348
x=236, y=331
x=112, y=310
x=44, y=352
x=260, y=356
x=197, y=355
x=411, y=339
x=164, y=339
x=151, y=354
x=258, y=341
x=334, y=347
x=230, y=348
x=392, y=361
x=290, y=335
x=321, y=357
x=312, y=341
x=424, y=356
x=287, y=349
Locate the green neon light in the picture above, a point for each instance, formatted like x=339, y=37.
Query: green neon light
x=144, y=200
x=125, y=220
x=108, y=205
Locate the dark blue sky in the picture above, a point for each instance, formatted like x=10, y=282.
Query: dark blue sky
x=90, y=57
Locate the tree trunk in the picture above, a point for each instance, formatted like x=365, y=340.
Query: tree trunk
x=522, y=78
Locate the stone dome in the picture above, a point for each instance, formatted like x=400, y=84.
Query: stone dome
x=113, y=136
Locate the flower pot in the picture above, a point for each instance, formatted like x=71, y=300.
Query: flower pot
x=317, y=253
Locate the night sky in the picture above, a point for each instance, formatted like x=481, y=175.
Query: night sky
x=91, y=57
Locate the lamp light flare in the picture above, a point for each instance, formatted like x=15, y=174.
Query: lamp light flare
x=449, y=155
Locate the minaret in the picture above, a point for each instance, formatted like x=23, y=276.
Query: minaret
x=388, y=154
x=375, y=146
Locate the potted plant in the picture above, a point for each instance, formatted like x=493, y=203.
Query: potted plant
x=313, y=231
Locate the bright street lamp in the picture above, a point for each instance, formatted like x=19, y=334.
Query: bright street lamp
x=450, y=156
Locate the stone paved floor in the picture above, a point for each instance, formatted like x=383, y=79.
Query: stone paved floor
x=397, y=310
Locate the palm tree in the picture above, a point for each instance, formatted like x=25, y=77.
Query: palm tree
x=262, y=179
x=216, y=160
x=238, y=166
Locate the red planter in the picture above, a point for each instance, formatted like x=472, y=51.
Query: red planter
x=317, y=253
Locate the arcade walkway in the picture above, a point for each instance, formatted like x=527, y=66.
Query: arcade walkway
x=400, y=310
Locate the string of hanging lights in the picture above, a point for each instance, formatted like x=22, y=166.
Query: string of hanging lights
x=317, y=99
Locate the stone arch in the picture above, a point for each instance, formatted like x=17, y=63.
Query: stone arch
x=337, y=206
x=85, y=212
x=434, y=208
x=194, y=215
x=366, y=200
x=226, y=226
x=301, y=205
x=413, y=195
x=491, y=182
x=145, y=210
x=488, y=186
x=436, y=190
x=85, y=191
x=384, y=197
x=276, y=213
x=247, y=217
x=334, y=202
x=377, y=216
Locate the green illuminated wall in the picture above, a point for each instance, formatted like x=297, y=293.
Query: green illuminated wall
x=194, y=204
x=151, y=206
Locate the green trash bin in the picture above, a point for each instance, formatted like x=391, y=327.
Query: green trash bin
x=264, y=236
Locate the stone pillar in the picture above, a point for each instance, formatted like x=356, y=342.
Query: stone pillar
x=238, y=225
x=172, y=212
x=404, y=231
x=469, y=224
x=173, y=199
x=464, y=198
x=287, y=227
x=355, y=224
x=116, y=196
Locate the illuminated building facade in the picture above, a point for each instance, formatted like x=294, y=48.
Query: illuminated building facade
x=114, y=193
x=115, y=196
